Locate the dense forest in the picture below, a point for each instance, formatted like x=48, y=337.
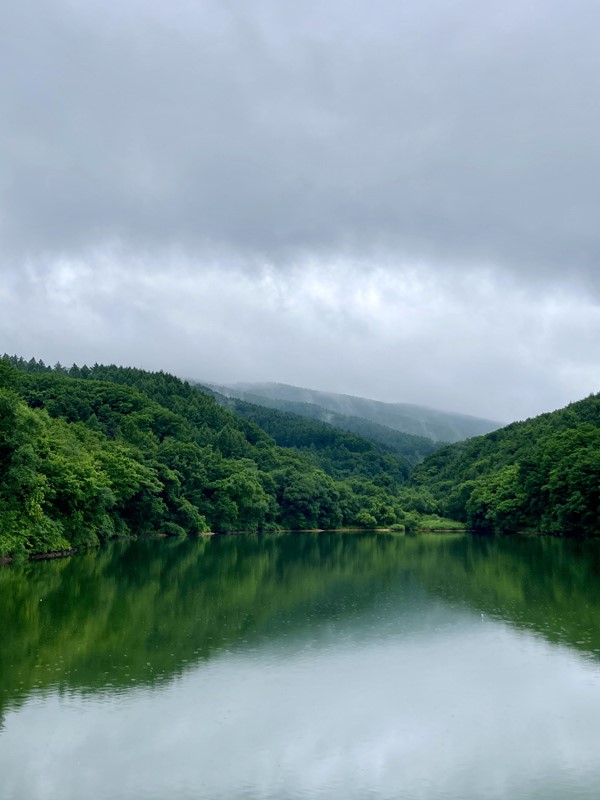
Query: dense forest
x=87, y=454
x=92, y=453
x=540, y=475
x=411, y=447
x=338, y=452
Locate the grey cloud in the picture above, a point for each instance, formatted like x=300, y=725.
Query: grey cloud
x=423, y=339
x=457, y=132
x=372, y=199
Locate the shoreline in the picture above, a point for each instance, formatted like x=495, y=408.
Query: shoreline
x=67, y=553
x=10, y=559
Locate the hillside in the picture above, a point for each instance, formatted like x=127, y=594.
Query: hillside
x=542, y=474
x=419, y=421
x=87, y=454
x=312, y=426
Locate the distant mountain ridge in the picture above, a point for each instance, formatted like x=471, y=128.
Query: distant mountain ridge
x=440, y=426
x=413, y=448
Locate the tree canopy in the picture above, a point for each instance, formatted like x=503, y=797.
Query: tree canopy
x=542, y=474
x=89, y=453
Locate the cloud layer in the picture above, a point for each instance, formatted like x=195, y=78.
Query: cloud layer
x=398, y=200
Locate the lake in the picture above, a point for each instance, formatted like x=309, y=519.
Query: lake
x=358, y=665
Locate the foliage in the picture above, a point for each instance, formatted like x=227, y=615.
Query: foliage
x=90, y=453
x=541, y=474
x=270, y=414
x=339, y=453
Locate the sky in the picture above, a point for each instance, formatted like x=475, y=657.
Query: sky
x=394, y=199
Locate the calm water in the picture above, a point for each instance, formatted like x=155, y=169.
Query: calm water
x=304, y=666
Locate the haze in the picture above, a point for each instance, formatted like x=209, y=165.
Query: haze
x=394, y=200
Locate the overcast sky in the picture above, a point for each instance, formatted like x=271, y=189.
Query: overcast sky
x=397, y=199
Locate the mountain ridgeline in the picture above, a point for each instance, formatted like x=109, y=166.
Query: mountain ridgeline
x=331, y=444
x=542, y=474
x=439, y=426
x=410, y=447
x=87, y=454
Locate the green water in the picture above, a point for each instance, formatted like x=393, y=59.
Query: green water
x=304, y=666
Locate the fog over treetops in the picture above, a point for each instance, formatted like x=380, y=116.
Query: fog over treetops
x=395, y=201
x=359, y=414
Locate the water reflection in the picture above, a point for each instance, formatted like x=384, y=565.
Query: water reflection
x=304, y=666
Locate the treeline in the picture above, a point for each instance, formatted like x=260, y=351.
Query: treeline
x=541, y=475
x=89, y=453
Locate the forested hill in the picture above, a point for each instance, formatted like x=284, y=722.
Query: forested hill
x=542, y=474
x=332, y=438
x=90, y=453
x=440, y=426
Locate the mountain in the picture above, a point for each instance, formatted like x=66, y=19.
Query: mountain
x=280, y=418
x=87, y=454
x=441, y=426
x=542, y=474
x=339, y=453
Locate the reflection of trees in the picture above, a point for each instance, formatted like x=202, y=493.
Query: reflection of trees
x=142, y=612
x=541, y=583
